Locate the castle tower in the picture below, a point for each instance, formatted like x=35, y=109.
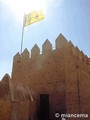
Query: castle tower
x=56, y=75
x=58, y=81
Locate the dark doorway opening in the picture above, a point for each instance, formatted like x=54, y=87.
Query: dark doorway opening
x=44, y=107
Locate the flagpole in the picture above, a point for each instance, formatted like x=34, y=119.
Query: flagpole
x=22, y=33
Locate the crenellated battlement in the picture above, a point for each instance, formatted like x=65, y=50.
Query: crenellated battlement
x=46, y=47
x=25, y=55
x=62, y=74
x=17, y=58
x=35, y=51
x=60, y=42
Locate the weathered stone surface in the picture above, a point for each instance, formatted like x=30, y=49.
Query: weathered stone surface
x=63, y=73
x=4, y=87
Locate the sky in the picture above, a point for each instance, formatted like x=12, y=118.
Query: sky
x=69, y=17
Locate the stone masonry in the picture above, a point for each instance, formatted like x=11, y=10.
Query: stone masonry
x=63, y=73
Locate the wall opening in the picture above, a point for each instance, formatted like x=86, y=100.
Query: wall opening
x=44, y=107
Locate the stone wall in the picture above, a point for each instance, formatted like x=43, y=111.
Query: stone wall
x=63, y=73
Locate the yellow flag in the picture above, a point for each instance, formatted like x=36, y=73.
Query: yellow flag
x=33, y=17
